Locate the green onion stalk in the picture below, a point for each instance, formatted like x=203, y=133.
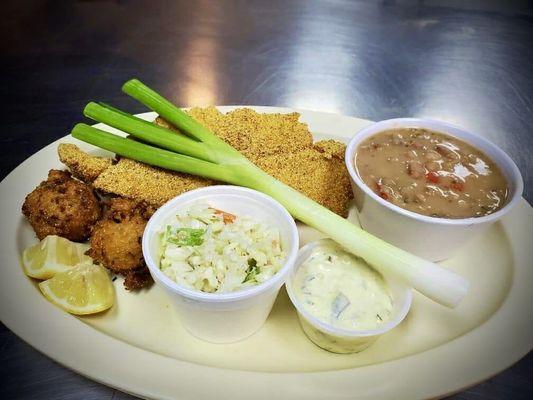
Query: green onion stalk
x=195, y=150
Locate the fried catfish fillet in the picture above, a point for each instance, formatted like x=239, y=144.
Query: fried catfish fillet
x=82, y=165
x=135, y=180
x=283, y=147
x=319, y=175
x=278, y=143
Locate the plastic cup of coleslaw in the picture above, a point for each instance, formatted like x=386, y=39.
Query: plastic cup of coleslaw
x=231, y=316
x=342, y=340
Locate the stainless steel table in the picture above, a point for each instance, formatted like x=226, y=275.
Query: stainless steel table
x=465, y=62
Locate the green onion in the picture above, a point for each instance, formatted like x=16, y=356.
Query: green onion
x=147, y=131
x=203, y=153
x=187, y=237
x=252, y=270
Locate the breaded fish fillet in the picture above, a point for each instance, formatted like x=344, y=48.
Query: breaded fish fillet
x=283, y=147
x=311, y=172
x=256, y=135
x=135, y=180
x=82, y=165
x=128, y=178
x=278, y=143
x=331, y=149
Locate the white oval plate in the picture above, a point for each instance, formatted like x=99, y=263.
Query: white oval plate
x=140, y=347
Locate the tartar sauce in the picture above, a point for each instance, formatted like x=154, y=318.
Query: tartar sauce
x=342, y=290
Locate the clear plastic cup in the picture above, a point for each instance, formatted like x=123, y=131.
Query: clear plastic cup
x=341, y=340
x=225, y=317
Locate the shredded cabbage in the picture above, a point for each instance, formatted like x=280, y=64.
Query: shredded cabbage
x=209, y=250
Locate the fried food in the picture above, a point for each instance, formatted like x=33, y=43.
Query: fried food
x=331, y=149
x=82, y=165
x=137, y=278
x=135, y=180
x=62, y=206
x=283, y=147
x=278, y=143
x=129, y=178
x=116, y=241
x=309, y=171
x=254, y=134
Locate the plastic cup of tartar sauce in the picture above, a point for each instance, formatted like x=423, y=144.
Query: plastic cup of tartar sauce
x=342, y=340
x=224, y=317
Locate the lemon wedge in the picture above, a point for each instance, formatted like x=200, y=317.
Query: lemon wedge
x=52, y=255
x=84, y=289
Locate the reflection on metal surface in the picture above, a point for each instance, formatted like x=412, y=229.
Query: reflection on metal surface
x=200, y=85
x=450, y=102
x=321, y=62
x=197, y=64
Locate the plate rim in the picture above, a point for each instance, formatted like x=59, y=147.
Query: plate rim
x=360, y=382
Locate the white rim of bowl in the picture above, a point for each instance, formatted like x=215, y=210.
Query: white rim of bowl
x=288, y=263
x=444, y=127
x=330, y=329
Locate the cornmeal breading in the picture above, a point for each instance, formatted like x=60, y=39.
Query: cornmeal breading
x=134, y=180
x=165, y=124
x=63, y=206
x=116, y=241
x=254, y=135
x=309, y=171
x=278, y=143
x=283, y=147
x=331, y=148
x=82, y=165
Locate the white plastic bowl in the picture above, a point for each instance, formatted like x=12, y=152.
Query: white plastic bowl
x=340, y=340
x=225, y=317
x=432, y=238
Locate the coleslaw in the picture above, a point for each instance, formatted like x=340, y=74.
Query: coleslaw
x=210, y=250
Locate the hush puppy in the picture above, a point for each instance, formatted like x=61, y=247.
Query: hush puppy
x=62, y=206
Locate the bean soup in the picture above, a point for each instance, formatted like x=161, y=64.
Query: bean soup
x=431, y=173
